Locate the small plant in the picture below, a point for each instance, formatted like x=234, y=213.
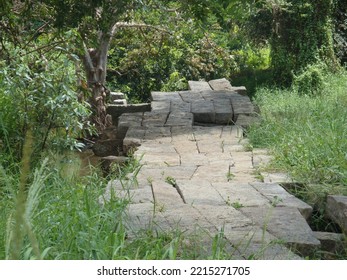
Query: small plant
x=230, y=176
x=237, y=204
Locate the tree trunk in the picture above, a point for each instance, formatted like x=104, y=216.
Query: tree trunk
x=95, y=62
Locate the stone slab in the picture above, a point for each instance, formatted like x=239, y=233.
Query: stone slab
x=278, y=196
x=197, y=192
x=240, y=195
x=286, y=224
x=180, y=119
x=220, y=84
x=160, y=106
x=203, y=111
x=336, y=210
x=190, y=96
x=198, y=85
x=165, y=96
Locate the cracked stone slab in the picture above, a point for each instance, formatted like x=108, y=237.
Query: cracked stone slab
x=280, y=197
x=176, y=172
x=286, y=224
x=240, y=195
x=197, y=192
x=222, y=215
x=223, y=112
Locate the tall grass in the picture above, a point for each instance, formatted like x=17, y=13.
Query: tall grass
x=60, y=217
x=307, y=134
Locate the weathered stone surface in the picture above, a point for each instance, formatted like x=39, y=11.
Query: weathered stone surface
x=197, y=192
x=276, y=177
x=203, y=111
x=214, y=175
x=286, y=224
x=190, y=96
x=133, y=138
x=220, y=84
x=179, y=119
x=241, y=105
x=240, y=195
x=336, y=210
x=160, y=106
x=223, y=112
x=180, y=107
x=240, y=90
x=198, y=85
x=278, y=196
x=331, y=242
x=165, y=96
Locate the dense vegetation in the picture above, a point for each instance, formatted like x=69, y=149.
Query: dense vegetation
x=59, y=60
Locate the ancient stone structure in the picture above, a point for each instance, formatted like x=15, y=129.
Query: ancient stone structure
x=198, y=177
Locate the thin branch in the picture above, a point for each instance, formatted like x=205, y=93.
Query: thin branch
x=119, y=25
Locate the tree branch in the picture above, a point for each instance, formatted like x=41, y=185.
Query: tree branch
x=119, y=25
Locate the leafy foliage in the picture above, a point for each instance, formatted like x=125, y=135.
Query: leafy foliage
x=38, y=92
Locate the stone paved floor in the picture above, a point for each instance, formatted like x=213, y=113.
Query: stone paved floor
x=197, y=176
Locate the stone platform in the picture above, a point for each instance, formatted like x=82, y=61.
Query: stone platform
x=197, y=176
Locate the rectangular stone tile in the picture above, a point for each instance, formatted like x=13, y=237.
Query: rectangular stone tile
x=158, y=133
x=161, y=159
x=240, y=195
x=180, y=106
x=190, y=96
x=180, y=119
x=166, y=194
x=224, y=112
x=154, y=119
x=161, y=174
x=165, y=96
x=160, y=106
x=286, y=224
x=198, y=192
x=223, y=215
x=198, y=85
x=208, y=146
x=280, y=197
x=152, y=146
x=193, y=158
x=203, y=111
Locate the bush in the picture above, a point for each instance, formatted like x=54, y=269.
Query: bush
x=311, y=80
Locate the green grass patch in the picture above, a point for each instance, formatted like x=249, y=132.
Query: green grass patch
x=307, y=134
